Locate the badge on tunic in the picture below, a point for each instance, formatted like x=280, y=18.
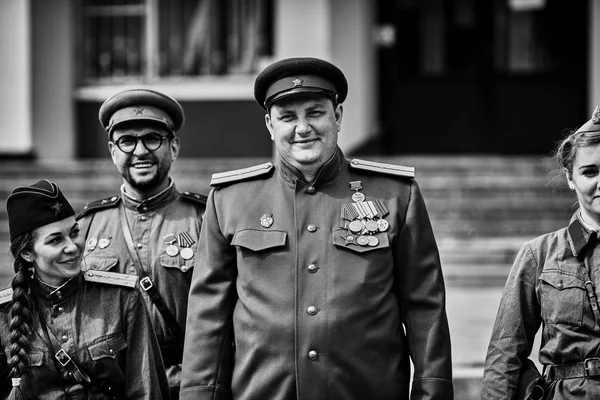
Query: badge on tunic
x=266, y=220
x=91, y=244
x=104, y=242
x=187, y=253
x=357, y=196
x=171, y=249
x=382, y=224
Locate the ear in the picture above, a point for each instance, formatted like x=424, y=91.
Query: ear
x=112, y=148
x=339, y=113
x=26, y=256
x=269, y=125
x=175, y=146
x=569, y=179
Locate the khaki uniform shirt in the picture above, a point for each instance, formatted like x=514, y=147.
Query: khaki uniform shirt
x=546, y=287
x=169, y=218
x=283, y=306
x=105, y=328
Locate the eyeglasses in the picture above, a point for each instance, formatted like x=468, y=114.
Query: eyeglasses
x=151, y=141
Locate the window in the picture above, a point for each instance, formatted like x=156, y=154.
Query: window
x=167, y=40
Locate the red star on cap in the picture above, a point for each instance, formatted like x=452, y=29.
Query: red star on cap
x=297, y=82
x=57, y=207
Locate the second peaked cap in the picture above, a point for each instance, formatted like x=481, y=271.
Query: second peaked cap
x=139, y=105
x=299, y=75
x=593, y=124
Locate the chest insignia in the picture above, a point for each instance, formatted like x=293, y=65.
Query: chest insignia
x=171, y=249
x=363, y=218
x=104, y=242
x=185, y=241
x=266, y=220
x=91, y=244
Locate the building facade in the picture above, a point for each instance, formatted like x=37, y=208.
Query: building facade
x=434, y=76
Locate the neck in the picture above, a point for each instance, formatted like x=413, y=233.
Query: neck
x=590, y=223
x=141, y=195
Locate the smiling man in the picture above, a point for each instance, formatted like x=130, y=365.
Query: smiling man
x=318, y=277
x=150, y=229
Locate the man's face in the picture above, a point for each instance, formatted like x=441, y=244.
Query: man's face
x=146, y=171
x=305, y=129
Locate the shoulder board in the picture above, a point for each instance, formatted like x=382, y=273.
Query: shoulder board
x=390, y=169
x=195, y=197
x=97, y=205
x=111, y=278
x=240, y=174
x=6, y=295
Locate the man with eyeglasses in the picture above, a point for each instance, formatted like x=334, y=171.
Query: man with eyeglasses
x=150, y=229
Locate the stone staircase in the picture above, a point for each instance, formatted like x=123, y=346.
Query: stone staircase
x=482, y=208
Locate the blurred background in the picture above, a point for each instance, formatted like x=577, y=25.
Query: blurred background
x=474, y=94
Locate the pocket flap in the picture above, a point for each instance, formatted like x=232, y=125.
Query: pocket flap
x=339, y=239
x=257, y=240
x=101, y=263
x=107, y=348
x=561, y=281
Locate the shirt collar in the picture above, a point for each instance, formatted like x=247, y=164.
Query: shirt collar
x=56, y=294
x=155, y=202
x=579, y=234
x=326, y=173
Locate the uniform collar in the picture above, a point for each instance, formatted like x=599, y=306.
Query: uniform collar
x=579, y=234
x=153, y=203
x=55, y=294
x=328, y=171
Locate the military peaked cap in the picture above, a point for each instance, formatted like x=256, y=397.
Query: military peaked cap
x=40, y=204
x=593, y=125
x=299, y=75
x=141, y=104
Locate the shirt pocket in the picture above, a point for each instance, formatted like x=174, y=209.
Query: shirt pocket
x=107, y=348
x=339, y=237
x=562, y=298
x=105, y=262
x=177, y=261
x=259, y=240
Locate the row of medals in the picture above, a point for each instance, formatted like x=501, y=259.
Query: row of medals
x=185, y=242
x=364, y=218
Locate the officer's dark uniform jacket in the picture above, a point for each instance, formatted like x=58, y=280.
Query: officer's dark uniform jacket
x=103, y=327
x=169, y=218
x=312, y=316
x=546, y=287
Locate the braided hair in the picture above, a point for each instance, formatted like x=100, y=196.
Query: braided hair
x=22, y=311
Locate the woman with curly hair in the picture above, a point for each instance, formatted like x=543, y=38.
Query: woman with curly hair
x=70, y=334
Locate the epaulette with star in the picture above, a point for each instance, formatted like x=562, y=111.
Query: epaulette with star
x=195, y=197
x=6, y=296
x=236, y=175
x=98, y=205
x=110, y=278
x=389, y=169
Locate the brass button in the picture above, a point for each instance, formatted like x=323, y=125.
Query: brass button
x=132, y=270
x=144, y=209
x=312, y=310
x=111, y=352
x=560, y=285
x=313, y=355
x=144, y=218
x=312, y=228
x=139, y=245
x=64, y=338
x=61, y=309
x=59, y=294
x=312, y=268
x=311, y=190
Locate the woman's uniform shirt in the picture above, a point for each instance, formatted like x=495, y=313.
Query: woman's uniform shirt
x=103, y=327
x=546, y=287
x=315, y=315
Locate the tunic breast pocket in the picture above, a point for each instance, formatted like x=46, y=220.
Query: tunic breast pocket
x=183, y=260
x=257, y=240
x=105, y=262
x=562, y=298
x=104, y=357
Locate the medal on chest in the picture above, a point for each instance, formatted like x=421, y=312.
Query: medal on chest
x=186, y=241
x=171, y=249
x=363, y=218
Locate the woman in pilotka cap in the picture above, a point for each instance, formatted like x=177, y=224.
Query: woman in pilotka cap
x=554, y=285
x=69, y=334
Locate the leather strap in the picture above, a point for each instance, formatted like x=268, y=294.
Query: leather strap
x=148, y=286
x=588, y=368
